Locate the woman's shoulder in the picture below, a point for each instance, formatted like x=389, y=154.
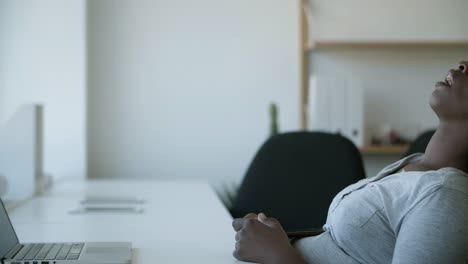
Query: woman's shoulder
x=441, y=194
x=443, y=180
x=429, y=181
x=454, y=179
x=448, y=200
x=443, y=190
x=409, y=189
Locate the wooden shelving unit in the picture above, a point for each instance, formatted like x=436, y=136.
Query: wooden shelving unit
x=306, y=47
x=384, y=149
x=304, y=65
x=385, y=45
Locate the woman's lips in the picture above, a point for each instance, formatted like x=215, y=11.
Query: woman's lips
x=448, y=81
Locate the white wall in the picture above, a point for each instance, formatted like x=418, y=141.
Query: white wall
x=180, y=89
x=2, y=53
x=42, y=60
x=384, y=20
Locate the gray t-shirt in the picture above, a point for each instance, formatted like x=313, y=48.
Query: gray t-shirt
x=396, y=217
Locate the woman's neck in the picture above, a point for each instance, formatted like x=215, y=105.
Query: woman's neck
x=448, y=147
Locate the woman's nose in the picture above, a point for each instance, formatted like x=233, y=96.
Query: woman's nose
x=463, y=67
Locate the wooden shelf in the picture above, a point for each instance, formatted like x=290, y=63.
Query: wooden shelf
x=384, y=149
x=386, y=44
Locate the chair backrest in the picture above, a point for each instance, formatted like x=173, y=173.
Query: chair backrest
x=294, y=177
x=419, y=145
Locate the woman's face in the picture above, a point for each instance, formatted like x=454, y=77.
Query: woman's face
x=450, y=97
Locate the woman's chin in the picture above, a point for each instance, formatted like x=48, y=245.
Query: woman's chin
x=435, y=101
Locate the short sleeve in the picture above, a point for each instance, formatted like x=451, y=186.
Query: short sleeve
x=435, y=230
x=322, y=249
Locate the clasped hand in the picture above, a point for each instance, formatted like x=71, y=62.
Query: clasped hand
x=262, y=239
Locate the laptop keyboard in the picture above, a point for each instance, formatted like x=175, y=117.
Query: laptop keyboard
x=50, y=252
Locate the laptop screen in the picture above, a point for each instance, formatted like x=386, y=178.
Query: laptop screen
x=8, y=237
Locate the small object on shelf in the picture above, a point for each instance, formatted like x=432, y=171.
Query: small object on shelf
x=387, y=141
x=387, y=135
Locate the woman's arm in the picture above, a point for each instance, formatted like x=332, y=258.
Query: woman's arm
x=261, y=239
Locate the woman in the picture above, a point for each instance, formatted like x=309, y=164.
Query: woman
x=413, y=211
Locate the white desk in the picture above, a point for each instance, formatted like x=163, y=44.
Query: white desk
x=181, y=223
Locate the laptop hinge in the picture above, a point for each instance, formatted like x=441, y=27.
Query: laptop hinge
x=13, y=251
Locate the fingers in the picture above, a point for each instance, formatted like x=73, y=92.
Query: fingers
x=240, y=251
x=251, y=216
x=243, y=252
x=269, y=221
x=242, y=255
x=249, y=233
x=240, y=223
x=238, y=255
x=256, y=237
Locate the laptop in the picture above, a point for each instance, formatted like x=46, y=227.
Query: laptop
x=13, y=252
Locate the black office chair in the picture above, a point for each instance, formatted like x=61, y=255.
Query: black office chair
x=419, y=145
x=295, y=176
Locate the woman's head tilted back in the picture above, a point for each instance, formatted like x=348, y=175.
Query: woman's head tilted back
x=450, y=97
